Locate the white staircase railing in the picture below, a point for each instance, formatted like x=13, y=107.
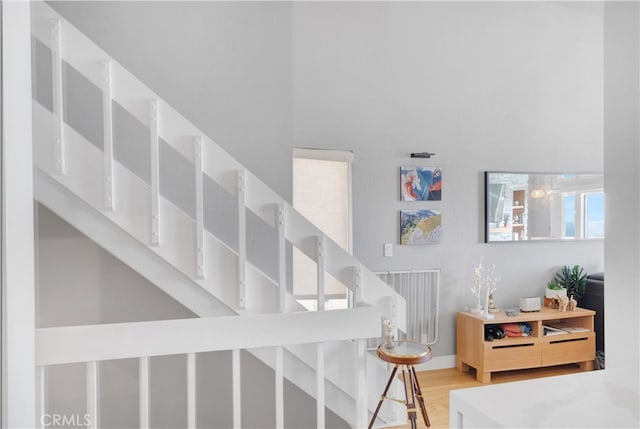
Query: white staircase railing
x=71, y=46
x=138, y=207
x=144, y=340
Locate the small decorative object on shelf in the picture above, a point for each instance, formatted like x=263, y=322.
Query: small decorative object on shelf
x=492, y=307
x=387, y=340
x=484, y=278
x=554, y=289
x=572, y=304
x=563, y=302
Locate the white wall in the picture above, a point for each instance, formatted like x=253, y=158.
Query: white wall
x=622, y=165
x=487, y=86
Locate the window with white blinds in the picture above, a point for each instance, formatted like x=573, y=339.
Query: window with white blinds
x=322, y=193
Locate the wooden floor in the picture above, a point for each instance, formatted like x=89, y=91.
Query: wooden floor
x=435, y=386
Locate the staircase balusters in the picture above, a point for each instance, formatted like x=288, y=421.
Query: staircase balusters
x=279, y=381
x=282, y=259
x=357, y=285
x=320, y=260
x=93, y=396
x=143, y=392
x=362, y=412
x=155, y=172
x=320, y=401
x=107, y=125
x=281, y=307
x=191, y=391
x=236, y=388
x=133, y=96
x=59, y=163
x=199, y=196
x=242, y=241
x=41, y=404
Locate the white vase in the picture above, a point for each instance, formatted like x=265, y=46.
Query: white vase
x=552, y=293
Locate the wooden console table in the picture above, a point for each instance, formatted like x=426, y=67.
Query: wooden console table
x=536, y=350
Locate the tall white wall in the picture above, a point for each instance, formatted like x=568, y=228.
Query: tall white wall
x=513, y=86
x=622, y=165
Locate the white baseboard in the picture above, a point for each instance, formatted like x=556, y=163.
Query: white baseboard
x=438, y=362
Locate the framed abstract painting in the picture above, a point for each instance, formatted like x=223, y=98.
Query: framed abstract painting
x=420, y=184
x=420, y=226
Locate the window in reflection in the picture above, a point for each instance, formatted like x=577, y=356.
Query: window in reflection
x=594, y=215
x=569, y=223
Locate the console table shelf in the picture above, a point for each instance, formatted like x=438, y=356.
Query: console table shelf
x=533, y=351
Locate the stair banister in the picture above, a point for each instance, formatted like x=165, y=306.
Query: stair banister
x=131, y=94
x=178, y=132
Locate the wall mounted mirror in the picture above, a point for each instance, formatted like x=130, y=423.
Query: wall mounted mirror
x=533, y=206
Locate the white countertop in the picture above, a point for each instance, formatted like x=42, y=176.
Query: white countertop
x=595, y=399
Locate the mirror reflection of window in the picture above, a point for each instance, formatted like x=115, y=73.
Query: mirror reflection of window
x=593, y=215
x=538, y=206
x=569, y=223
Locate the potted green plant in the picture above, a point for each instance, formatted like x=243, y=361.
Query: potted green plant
x=555, y=290
x=574, y=279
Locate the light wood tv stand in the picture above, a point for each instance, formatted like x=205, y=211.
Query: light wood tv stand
x=533, y=351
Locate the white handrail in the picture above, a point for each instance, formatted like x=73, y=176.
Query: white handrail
x=71, y=344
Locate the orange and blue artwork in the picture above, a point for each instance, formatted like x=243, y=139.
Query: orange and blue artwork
x=420, y=184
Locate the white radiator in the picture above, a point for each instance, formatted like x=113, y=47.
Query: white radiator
x=421, y=289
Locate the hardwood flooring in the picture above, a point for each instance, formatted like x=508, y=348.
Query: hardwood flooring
x=436, y=385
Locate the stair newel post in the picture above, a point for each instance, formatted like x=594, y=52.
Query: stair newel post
x=143, y=392
x=155, y=172
x=242, y=241
x=107, y=126
x=191, y=391
x=199, y=196
x=320, y=262
x=59, y=161
x=93, y=396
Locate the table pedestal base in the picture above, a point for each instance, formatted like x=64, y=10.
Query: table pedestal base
x=412, y=393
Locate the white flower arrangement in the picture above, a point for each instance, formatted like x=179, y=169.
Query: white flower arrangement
x=484, y=278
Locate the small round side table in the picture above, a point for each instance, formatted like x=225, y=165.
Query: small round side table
x=404, y=355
